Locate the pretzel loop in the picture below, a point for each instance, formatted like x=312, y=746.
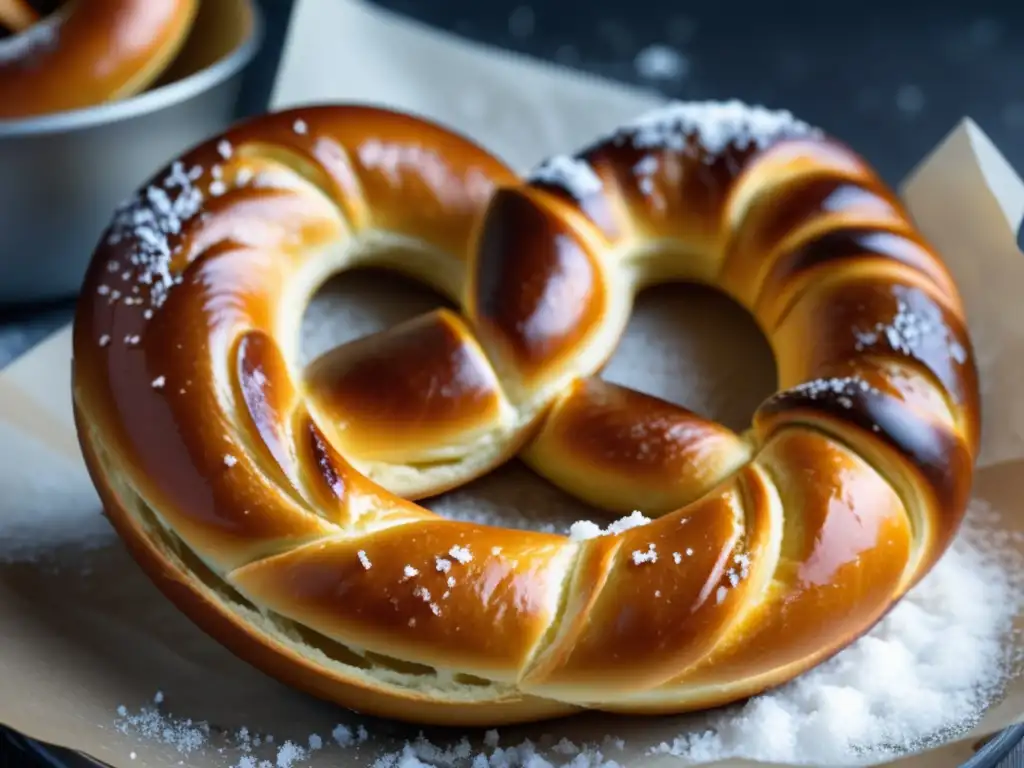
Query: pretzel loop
x=273, y=503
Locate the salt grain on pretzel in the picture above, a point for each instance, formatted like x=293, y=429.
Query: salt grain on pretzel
x=742, y=561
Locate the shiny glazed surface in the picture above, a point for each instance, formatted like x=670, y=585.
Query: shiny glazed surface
x=88, y=52
x=275, y=504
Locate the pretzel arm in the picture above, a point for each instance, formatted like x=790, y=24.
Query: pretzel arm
x=442, y=405
x=669, y=592
x=621, y=450
x=840, y=564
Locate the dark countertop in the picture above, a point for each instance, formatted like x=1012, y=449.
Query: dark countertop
x=889, y=82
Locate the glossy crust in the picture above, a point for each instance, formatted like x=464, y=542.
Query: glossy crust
x=88, y=52
x=274, y=506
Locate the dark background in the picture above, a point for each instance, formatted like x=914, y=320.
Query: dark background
x=890, y=78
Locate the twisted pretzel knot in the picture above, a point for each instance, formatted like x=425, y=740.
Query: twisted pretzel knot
x=273, y=504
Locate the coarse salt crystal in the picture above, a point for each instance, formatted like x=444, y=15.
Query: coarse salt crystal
x=289, y=754
x=442, y=564
x=104, y=339
x=460, y=554
x=713, y=125
x=159, y=382
x=582, y=530
x=422, y=593
x=573, y=174
x=364, y=560
x=409, y=571
x=229, y=460
x=342, y=735
x=224, y=148
x=300, y=127
x=641, y=556
x=148, y=220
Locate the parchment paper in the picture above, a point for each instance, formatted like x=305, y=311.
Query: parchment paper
x=84, y=632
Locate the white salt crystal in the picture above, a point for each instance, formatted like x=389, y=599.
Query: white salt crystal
x=641, y=556
x=342, y=735
x=288, y=754
x=574, y=174
x=582, y=530
x=364, y=560
x=715, y=125
x=149, y=219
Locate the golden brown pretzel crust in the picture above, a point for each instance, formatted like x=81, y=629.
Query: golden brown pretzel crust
x=90, y=52
x=274, y=506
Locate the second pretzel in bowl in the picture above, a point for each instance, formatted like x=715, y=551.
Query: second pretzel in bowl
x=274, y=504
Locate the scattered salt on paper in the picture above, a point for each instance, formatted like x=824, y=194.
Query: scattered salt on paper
x=246, y=748
x=57, y=505
x=924, y=674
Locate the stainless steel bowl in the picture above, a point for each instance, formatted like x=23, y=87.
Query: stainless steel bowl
x=62, y=175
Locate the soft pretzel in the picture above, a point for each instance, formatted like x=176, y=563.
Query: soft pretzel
x=87, y=52
x=273, y=504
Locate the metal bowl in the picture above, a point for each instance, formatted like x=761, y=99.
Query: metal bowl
x=62, y=175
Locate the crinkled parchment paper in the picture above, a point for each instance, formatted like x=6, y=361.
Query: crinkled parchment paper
x=84, y=632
